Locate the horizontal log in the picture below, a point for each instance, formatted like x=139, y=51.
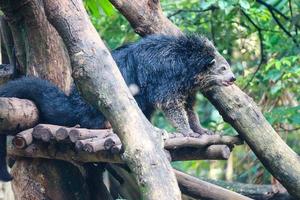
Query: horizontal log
x=65, y=151
x=17, y=115
x=102, y=143
x=23, y=139
x=82, y=133
x=202, y=141
x=212, y=152
x=91, y=138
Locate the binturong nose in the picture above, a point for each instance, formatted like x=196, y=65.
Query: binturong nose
x=232, y=79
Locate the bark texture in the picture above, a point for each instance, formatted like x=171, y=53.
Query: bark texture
x=64, y=150
x=200, y=189
x=39, y=48
x=40, y=52
x=146, y=17
x=241, y=112
x=16, y=115
x=34, y=180
x=101, y=83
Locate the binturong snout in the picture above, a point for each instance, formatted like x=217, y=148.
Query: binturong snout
x=232, y=79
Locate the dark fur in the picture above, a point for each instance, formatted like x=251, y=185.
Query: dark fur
x=168, y=70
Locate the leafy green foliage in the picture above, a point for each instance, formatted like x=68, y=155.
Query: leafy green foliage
x=239, y=29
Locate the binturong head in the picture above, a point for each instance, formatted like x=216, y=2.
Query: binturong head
x=217, y=72
x=212, y=67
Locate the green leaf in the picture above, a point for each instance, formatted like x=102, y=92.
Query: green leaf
x=106, y=7
x=276, y=88
x=244, y=4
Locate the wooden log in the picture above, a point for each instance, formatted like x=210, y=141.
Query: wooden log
x=202, y=141
x=196, y=188
x=64, y=151
x=82, y=133
x=79, y=144
x=102, y=144
x=62, y=134
x=17, y=115
x=116, y=149
x=213, y=152
x=23, y=139
x=44, y=132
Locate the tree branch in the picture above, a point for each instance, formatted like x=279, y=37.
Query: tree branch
x=146, y=17
x=197, y=188
x=191, y=10
x=16, y=115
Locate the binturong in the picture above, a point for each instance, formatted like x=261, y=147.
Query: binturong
x=166, y=72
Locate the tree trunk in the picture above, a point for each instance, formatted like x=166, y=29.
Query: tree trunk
x=41, y=52
x=101, y=83
x=39, y=48
x=41, y=179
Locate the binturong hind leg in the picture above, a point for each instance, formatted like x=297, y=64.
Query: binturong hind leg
x=177, y=116
x=4, y=174
x=193, y=118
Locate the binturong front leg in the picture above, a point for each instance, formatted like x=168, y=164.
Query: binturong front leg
x=193, y=118
x=175, y=112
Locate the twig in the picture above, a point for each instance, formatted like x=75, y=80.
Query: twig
x=272, y=10
x=191, y=10
x=261, y=45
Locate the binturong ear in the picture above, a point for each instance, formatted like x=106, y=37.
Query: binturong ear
x=208, y=62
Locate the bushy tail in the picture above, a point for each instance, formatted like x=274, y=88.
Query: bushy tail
x=45, y=96
x=4, y=174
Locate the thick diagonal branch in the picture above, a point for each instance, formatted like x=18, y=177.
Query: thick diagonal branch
x=101, y=83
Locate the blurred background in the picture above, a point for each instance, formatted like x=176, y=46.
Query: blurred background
x=261, y=41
